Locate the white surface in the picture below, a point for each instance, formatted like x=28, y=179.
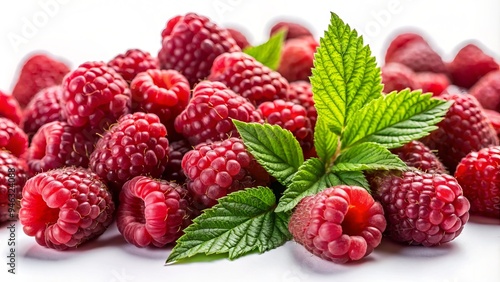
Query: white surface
x=92, y=30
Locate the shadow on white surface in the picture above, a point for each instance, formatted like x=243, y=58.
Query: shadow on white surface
x=411, y=251
x=484, y=220
x=148, y=253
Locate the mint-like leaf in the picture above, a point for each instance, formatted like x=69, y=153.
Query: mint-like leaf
x=242, y=222
x=367, y=156
x=269, y=52
x=275, y=148
x=345, y=75
x=395, y=119
x=325, y=141
x=353, y=178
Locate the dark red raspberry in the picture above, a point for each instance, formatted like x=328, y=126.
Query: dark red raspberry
x=58, y=144
x=173, y=168
x=294, y=29
x=339, y=224
x=152, y=212
x=209, y=114
x=9, y=107
x=45, y=107
x=436, y=83
x=65, y=207
x=300, y=92
x=400, y=41
x=479, y=175
x=132, y=62
x=292, y=117
x=136, y=145
x=465, y=128
x=13, y=138
x=297, y=58
x=494, y=118
x=469, y=65
x=487, y=91
x=38, y=72
x=396, y=77
x=417, y=155
x=421, y=208
x=13, y=176
x=190, y=44
x=239, y=37
x=216, y=169
x=249, y=78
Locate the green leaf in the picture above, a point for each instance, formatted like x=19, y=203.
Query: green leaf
x=345, y=75
x=275, y=148
x=325, y=141
x=367, y=156
x=268, y=53
x=353, y=178
x=395, y=119
x=241, y=223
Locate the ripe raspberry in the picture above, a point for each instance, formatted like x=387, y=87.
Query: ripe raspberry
x=417, y=155
x=209, y=114
x=494, y=118
x=173, y=168
x=152, y=212
x=464, y=129
x=400, y=41
x=56, y=145
x=294, y=29
x=13, y=138
x=249, y=78
x=297, y=58
x=436, y=83
x=190, y=44
x=38, y=72
x=300, y=92
x=239, y=37
x=479, y=175
x=65, y=207
x=136, y=145
x=13, y=176
x=487, y=91
x=469, y=65
x=396, y=77
x=421, y=208
x=216, y=169
x=340, y=224
x=9, y=107
x=132, y=62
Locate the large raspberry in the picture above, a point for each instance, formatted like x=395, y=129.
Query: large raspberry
x=13, y=176
x=190, y=44
x=294, y=29
x=209, y=114
x=421, y=208
x=487, y=91
x=396, y=77
x=216, y=169
x=13, y=138
x=479, y=175
x=417, y=155
x=249, y=78
x=297, y=58
x=340, y=224
x=133, y=62
x=9, y=107
x=152, y=212
x=300, y=92
x=173, y=168
x=65, y=207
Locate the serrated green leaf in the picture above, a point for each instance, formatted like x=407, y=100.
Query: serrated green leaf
x=395, y=119
x=367, y=156
x=353, y=178
x=345, y=75
x=269, y=52
x=325, y=141
x=275, y=148
x=242, y=222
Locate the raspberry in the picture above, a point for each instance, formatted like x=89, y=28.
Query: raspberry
x=9, y=107
x=300, y=92
x=400, y=41
x=421, y=208
x=239, y=37
x=13, y=138
x=340, y=224
x=297, y=58
x=209, y=114
x=65, y=207
x=494, y=118
x=487, y=91
x=469, y=65
x=248, y=77
x=132, y=62
x=38, y=72
x=152, y=212
x=436, y=83
x=190, y=44
x=479, y=175
x=464, y=129
x=136, y=145
x=13, y=176
x=173, y=168
x=56, y=145
x=417, y=155
x=294, y=29
x=216, y=169
x=396, y=77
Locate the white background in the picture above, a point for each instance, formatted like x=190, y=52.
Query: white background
x=80, y=31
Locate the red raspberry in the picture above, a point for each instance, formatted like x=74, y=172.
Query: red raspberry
x=469, y=65
x=132, y=62
x=13, y=138
x=216, y=169
x=300, y=92
x=248, y=77
x=494, y=118
x=9, y=107
x=239, y=37
x=436, y=83
x=152, y=212
x=136, y=145
x=65, y=207
x=191, y=43
x=13, y=176
x=294, y=29
x=173, y=168
x=209, y=114
x=416, y=154
x=38, y=72
x=297, y=58
x=400, y=41
x=396, y=77
x=479, y=175
x=487, y=91
x=340, y=224
x=57, y=144
x=421, y=208
x=464, y=129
